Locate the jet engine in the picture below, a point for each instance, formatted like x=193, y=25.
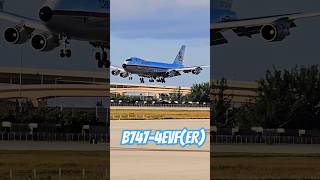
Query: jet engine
x=45, y=14
x=124, y=74
x=115, y=72
x=172, y=73
x=44, y=42
x=277, y=31
x=17, y=35
x=196, y=71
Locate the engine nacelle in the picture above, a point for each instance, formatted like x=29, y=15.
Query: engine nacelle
x=196, y=71
x=277, y=31
x=124, y=74
x=44, y=42
x=115, y=72
x=17, y=35
x=171, y=74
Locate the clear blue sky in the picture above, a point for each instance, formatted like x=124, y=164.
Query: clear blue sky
x=157, y=29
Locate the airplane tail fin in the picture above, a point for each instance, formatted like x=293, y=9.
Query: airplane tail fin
x=180, y=56
x=222, y=4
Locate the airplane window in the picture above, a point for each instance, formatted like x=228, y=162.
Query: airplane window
x=129, y=60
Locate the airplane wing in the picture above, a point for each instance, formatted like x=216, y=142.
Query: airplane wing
x=248, y=27
x=194, y=69
x=190, y=68
x=23, y=21
x=117, y=68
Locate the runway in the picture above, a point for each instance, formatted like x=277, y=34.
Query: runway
x=50, y=146
x=158, y=162
x=266, y=149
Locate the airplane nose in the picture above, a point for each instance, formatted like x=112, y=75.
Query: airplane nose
x=45, y=14
x=124, y=65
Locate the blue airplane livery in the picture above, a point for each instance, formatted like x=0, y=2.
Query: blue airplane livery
x=155, y=70
x=272, y=28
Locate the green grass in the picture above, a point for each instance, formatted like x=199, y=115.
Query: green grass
x=259, y=166
x=47, y=164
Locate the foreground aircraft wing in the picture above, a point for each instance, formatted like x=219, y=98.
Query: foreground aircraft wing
x=248, y=27
x=117, y=68
x=23, y=21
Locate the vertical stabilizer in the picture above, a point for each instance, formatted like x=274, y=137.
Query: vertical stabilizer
x=180, y=56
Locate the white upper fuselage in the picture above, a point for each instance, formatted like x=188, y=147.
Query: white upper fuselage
x=85, y=20
x=142, y=67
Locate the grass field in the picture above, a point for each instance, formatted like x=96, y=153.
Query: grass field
x=128, y=114
x=264, y=166
x=47, y=164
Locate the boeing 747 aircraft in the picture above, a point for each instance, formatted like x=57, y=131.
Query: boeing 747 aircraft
x=272, y=28
x=155, y=71
x=60, y=21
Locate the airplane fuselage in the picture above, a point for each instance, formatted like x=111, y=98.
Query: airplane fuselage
x=148, y=68
x=85, y=20
x=221, y=15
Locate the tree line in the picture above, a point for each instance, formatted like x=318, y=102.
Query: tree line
x=288, y=98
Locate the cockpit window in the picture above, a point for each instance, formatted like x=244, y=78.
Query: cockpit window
x=129, y=60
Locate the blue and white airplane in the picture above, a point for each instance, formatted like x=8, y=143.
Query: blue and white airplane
x=60, y=21
x=272, y=28
x=155, y=71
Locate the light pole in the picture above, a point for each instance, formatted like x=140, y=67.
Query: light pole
x=55, y=89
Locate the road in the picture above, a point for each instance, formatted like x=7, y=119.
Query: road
x=265, y=148
x=51, y=146
x=158, y=162
x=162, y=108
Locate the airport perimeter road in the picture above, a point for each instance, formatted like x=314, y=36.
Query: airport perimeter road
x=51, y=146
x=158, y=162
x=265, y=148
x=161, y=108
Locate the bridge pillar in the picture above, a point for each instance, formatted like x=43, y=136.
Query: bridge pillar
x=35, y=102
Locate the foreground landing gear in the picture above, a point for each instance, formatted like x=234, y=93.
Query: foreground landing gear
x=65, y=52
x=162, y=80
x=102, y=59
x=141, y=80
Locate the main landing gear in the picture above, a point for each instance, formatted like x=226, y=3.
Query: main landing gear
x=161, y=79
x=151, y=80
x=65, y=52
x=141, y=80
x=102, y=54
x=102, y=58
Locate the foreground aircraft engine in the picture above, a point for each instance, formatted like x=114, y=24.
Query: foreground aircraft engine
x=124, y=74
x=115, y=72
x=17, y=35
x=277, y=31
x=196, y=71
x=44, y=42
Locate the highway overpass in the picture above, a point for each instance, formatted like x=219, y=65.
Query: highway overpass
x=41, y=84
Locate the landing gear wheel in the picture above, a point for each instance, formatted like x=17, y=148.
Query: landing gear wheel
x=141, y=80
x=105, y=60
x=100, y=64
x=68, y=53
x=98, y=56
x=130, y=78
x=62, y=54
